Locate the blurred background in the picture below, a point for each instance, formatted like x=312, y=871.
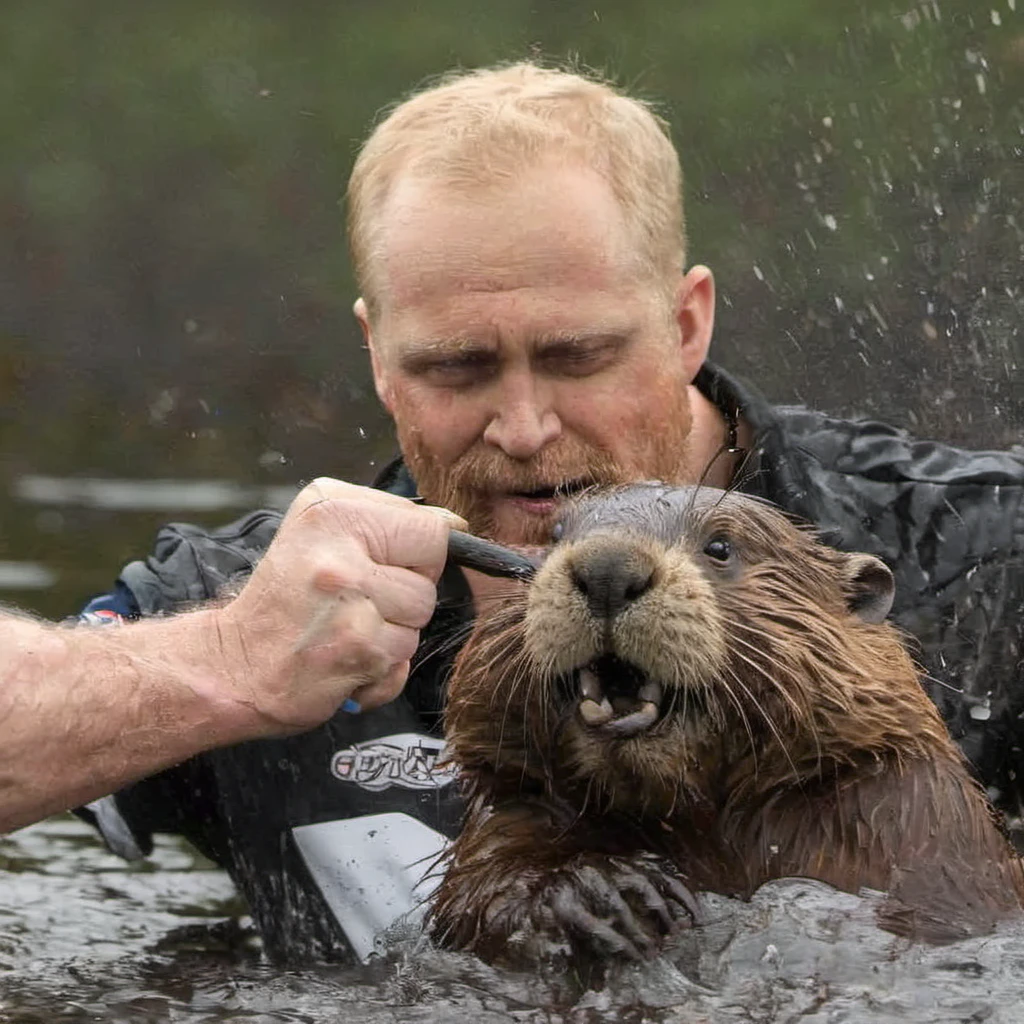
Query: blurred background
x=175, y=331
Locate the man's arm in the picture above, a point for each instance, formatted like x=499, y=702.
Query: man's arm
x=331, y=613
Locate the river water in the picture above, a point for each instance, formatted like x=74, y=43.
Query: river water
x=86, y=937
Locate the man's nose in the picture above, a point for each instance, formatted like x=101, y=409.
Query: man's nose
x=523, y=422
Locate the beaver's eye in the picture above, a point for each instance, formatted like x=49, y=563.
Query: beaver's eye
x=719, y=549
x=556, y=531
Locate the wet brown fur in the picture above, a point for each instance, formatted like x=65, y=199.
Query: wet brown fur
x=797, y=741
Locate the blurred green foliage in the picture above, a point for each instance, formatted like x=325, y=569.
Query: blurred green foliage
x=175, y=292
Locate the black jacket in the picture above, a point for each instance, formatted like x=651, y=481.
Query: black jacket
x=309, y=825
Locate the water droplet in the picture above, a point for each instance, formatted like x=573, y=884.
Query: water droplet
x=996, y=18
x=980, y=79
x=830, y=222
x=981, y=712
x=827, y=122
x=271, y=458
x=758, y=273
x=162, y=406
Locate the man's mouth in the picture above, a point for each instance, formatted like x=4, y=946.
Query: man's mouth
x=545, y=497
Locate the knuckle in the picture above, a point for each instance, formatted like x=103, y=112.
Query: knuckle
x=336, y=578
x=396, y=680
x=423, y=605
x=404, y=644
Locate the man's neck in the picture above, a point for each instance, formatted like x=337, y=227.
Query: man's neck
x=709, y=460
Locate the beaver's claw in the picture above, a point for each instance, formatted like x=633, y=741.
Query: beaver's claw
x=600, y=905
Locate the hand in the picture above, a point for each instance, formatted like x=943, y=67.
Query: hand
x=592, y=908
x=334, y=608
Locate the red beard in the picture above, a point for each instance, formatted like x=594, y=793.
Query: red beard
x=472, y=484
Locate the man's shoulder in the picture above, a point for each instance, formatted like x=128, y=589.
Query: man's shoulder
x=932, y=511
x=877, y=451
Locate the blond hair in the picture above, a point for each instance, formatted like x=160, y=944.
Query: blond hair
x=482, y=127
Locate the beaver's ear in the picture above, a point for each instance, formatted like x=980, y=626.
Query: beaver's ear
x=869, y=587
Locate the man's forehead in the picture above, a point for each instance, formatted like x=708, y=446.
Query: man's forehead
x=562, y=226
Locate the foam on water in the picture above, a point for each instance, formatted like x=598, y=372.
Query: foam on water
x=86, y=937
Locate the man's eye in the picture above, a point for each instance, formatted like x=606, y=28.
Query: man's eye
x=580, y=360
x=460, y=372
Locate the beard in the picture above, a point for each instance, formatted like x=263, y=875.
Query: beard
x=474, y=484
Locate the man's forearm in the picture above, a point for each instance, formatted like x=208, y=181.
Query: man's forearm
x=86, y=710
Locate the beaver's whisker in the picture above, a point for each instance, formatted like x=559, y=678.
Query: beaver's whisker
x=802, y=711
x=542, y=674
x=740, y=476
x=772, y=662
x=500, y=656
x=754, y=752
x=520, y=669
x=451, y=641
x=942, y=682
x=769, y=721
x=534, y=681
x=738, y=704
x=586, y=796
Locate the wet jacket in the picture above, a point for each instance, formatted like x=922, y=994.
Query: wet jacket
x=329, y=834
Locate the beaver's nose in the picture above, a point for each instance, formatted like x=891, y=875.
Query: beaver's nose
x=611, y=577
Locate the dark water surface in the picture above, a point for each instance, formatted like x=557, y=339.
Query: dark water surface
x=83, y=937
x=176, y=343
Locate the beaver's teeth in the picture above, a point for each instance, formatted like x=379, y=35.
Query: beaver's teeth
x=629, y=725
x=590, y=685
x=594, y=713
x=650, y=692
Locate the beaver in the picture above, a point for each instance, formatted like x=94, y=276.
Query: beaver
x=696, y=694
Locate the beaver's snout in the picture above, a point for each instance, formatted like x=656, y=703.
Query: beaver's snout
x=624, y=624
x=611, y=576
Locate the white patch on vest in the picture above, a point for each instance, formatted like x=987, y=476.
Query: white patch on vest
x=406, y=760
x=114, y=829
x=373, y=872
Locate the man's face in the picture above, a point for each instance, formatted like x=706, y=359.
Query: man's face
x=522, y=349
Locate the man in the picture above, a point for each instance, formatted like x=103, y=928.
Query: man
x=329, y=617
x=518, y=239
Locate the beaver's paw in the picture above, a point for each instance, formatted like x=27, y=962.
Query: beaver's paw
x=598, y=905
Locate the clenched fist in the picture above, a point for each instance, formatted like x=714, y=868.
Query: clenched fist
x=332, y=612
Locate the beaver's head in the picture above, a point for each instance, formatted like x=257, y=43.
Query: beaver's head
x=677, y=640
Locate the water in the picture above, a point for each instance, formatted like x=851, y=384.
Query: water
x=86, y=937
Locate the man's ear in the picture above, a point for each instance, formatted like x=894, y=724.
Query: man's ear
x=381, y=379
x=695, y=315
